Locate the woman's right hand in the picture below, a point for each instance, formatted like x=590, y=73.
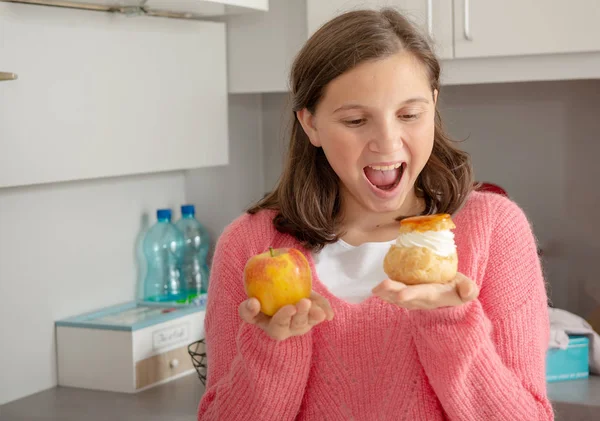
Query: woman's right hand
x=290, y=320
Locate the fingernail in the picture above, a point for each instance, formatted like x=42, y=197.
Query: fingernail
x=249, y=304
x=469, y=294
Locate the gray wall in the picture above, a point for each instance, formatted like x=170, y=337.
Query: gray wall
x=537, y=140
x=223, y=193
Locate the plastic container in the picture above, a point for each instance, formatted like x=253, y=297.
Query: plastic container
x=571, y=363
x=163, y=250
x=194, y=267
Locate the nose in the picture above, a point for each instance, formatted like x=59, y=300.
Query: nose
x=387, y=138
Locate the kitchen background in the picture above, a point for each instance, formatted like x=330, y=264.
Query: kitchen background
x=67, y=239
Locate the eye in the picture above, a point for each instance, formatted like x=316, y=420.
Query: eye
x=354, y=122
x=409, y=117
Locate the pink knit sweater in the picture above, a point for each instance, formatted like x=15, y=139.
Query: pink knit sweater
x=482, y=361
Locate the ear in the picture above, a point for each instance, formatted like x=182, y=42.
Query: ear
x=435, y=97
x=307, y=121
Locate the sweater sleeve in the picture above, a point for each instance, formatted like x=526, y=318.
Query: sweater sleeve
x=250, y=375
x=486, y=359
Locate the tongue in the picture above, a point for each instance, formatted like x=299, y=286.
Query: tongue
x=382, y=178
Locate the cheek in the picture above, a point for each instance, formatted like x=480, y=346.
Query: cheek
x=422, y=143
x=342, y=148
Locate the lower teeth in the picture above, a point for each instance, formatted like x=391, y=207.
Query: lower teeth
x=395, y=183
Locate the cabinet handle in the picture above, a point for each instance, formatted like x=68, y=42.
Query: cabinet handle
x=468, y=36
x=430, y=17
x=4, y=76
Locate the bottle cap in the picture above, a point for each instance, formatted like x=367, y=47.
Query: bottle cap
x=188, y=210
x=163, y=214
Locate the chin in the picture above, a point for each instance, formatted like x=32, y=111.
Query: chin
x=385, y=205
x=393, y=200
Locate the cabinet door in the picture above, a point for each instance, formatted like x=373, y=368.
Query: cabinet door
x=99, y=95
x=261, y=46
x=433, y=16
x=208, y=7
x=517, y=27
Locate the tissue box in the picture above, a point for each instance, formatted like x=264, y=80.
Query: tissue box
x=568, y=364
x=127, y=348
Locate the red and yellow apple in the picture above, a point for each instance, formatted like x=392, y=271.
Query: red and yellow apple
x=277, y=277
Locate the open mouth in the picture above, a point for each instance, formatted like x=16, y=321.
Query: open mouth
x=385, y=177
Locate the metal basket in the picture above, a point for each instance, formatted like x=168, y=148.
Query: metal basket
x=197, y=351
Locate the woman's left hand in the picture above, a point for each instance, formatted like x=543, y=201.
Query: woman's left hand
x=459, y=291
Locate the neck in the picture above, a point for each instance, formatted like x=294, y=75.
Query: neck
x=356, y=218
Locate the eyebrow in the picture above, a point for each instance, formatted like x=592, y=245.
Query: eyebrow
x=353, y=106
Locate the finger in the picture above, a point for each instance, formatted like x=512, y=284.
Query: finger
x=262, y=320
x=460, y=277
x=390, y=291
x=415, y=293
x=451, y=296
x=388, y=286
x=467, y=290
x=249, y=309
x=279, y=325
x=323, y=303
x=300, y=319
x=428, y=295
x=316, y=315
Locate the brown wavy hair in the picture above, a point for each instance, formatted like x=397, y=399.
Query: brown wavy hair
x=306, y=197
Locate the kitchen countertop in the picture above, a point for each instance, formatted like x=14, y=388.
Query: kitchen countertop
x=577, y=400
x=174, y=401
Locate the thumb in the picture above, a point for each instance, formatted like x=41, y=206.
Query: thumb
x=467, y=290
x=249, y=309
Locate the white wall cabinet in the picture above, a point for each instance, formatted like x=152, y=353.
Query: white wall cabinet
x=501, y=41
x=432, y=16
x=517, y=28
x=102, y=95
x=195, y=7
x=209, y=7
x=262, y=46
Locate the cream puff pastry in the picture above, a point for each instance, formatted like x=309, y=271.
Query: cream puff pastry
x=424, y=251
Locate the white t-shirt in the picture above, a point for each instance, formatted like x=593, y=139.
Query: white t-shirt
x=351, y=272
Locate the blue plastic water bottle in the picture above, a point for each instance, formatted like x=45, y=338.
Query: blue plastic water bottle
x=163, y=249
x=194, y=267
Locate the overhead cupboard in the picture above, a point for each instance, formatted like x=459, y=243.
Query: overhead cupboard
x=87, y=94
x=106, y=88
x=478, y=41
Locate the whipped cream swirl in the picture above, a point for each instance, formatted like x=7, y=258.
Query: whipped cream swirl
x=440, y=242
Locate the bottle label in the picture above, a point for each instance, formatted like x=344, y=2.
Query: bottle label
x=199, y=300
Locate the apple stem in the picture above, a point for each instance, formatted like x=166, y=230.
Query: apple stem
x=271, y=251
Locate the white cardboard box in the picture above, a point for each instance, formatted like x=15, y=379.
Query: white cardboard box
x=128, y=347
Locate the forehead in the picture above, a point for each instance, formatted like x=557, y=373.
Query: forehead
x=396, y=77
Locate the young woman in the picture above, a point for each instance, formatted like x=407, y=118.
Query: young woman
x=367, y=148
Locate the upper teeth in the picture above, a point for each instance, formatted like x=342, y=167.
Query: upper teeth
x=386, y=167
